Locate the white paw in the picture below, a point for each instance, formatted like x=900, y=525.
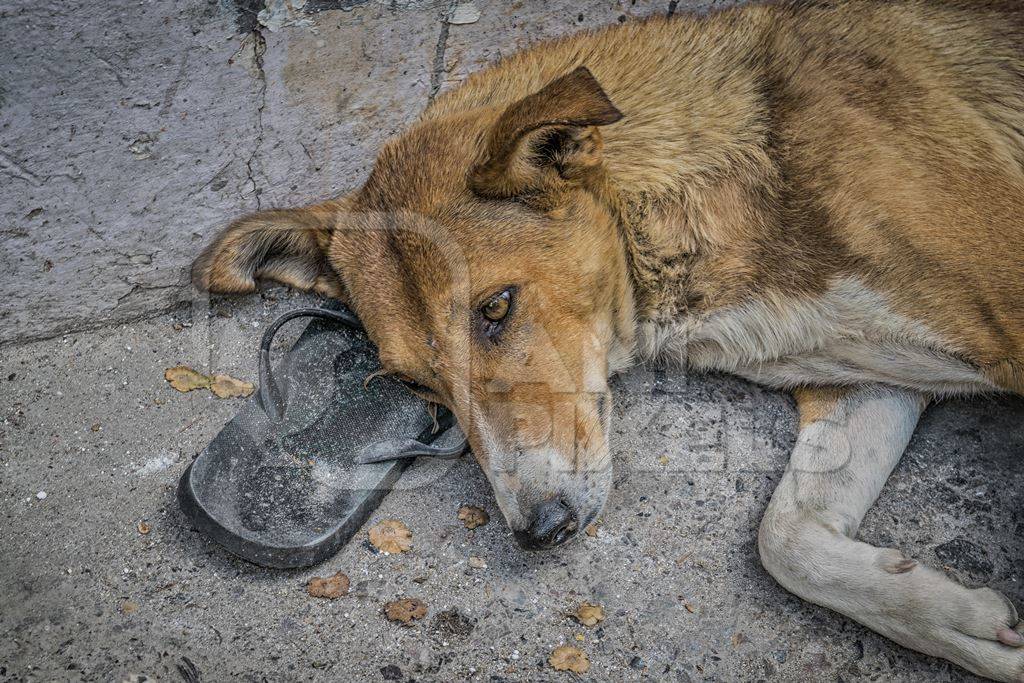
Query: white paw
x=976, y=628
x=988, y=636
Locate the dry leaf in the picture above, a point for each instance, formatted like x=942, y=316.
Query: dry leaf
x=96, y=427
x=128, y=607
x=588, y=614
x=186, y=379
x=689, y=608
x=739, y=638
x=143, y=527
x=663, y=460
x=331, y=587
x=405, y=611
x=391, y=536
x=472, y=516
x=591, y=530
x=569, y=658
x=225, y=386
x=477, y=562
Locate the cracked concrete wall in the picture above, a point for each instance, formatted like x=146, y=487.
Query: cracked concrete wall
x=128, y=138
x=118, y=148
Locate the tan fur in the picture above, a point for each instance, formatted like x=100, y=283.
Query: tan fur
x=807, y=194
x=816, y=404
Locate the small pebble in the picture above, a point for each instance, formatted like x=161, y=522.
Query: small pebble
x=41, y=495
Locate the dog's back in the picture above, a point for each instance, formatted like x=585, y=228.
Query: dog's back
x=878, y=142
x=906, y=122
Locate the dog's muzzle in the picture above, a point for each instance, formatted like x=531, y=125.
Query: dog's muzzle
x=554, y=523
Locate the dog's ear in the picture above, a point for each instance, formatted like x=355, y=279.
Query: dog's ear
x=548, y=137
x=284, y=245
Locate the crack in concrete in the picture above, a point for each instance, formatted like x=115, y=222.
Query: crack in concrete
x=259, y=48
x=139, y=286
x=438, y=69
x=15, y=168
x=172, y=90
x=84, y=327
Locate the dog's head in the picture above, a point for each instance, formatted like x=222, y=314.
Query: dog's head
x=485, y=263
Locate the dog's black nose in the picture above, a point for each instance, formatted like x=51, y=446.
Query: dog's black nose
x=553, y=524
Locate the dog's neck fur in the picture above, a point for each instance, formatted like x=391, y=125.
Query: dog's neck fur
x=685, y=165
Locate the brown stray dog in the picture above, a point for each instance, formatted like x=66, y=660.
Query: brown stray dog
x=828, y=199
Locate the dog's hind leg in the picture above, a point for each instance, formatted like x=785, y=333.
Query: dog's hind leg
x=850, y=440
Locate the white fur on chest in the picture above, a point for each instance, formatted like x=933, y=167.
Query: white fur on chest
x=849, y=335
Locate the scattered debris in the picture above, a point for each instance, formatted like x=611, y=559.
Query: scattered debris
x=225, y=386
x=589, y=614
x=331, y=587
x=405, y=611
x=452, y=623
x=143, y=527
x=465, y=12
x=477, y=562
x=158, y=463
x=569, y=658
x=472, y=516
x=96, y=427
x=142, y=146
x=391, y=536
x=188, y=671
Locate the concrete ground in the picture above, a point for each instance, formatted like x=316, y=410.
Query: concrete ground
x=127, y=136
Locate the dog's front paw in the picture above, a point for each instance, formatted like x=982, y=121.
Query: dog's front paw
x=977, y=628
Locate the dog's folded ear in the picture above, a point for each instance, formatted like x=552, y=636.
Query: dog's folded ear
x=285, y=245
x=545, y=138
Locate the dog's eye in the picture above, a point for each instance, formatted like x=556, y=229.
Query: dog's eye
x=497, y=307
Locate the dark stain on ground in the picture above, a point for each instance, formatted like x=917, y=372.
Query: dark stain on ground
x=452, y=623
x=245, y=15
x=323, y=5
x=967, y=556
x=391, y=673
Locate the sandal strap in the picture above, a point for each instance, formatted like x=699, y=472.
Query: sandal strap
x=269, y=393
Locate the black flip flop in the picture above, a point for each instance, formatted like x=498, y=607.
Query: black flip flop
x=297, y=472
